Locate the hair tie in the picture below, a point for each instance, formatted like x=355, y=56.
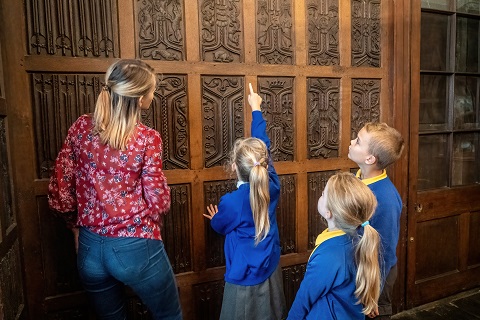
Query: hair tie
x=366, y=223
x=105, y=87
x=256, y=163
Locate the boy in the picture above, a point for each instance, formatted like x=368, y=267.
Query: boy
x=376, y=147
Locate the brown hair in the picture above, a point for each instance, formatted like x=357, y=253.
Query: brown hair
x=117, y=110
x=386, y=143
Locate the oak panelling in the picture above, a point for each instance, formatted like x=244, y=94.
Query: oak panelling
x=221, y=36
x=72, y=28
x=278, y=109
x=169, y=115
x=7, y=217
x=292, y=277
x=161, y=31
x=286, y=214
x=365, y=103
x=443, y=250
x=177, y=229
x=323, y=99
x=366, y=33
x=11, y=282
x=214, y=242
x=222, y=106
x=275, y=36
x=323, y=32
x=473, y=259
x=208, y=299
x=316, y=223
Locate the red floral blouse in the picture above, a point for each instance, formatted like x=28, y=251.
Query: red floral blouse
x=114, y=193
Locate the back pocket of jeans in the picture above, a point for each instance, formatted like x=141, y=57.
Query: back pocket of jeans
x=133, y=257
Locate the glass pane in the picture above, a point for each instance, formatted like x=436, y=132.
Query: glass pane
x=434, y=39
x=466, y=165
x=436, y=4
x=467, y=97
x=468, y=6
x=433, y=102
x=466, y=57
x=432, y=162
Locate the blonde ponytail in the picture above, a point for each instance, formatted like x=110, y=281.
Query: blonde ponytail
x=368, y=274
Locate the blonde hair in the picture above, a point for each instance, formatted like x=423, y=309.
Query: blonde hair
x=250, y=156
x=386, y=143
x=352, y=203
x=117, y=110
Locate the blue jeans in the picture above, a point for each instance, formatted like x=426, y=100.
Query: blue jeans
x=105, y=264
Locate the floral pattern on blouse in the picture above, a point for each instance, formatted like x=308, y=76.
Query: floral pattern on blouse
x=115, y=193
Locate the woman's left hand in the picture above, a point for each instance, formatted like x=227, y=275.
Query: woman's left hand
x=212, y=210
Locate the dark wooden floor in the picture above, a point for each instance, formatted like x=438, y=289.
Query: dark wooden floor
x=463, y=306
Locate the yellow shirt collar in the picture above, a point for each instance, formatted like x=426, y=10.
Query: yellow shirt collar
x=324, y=236
x=368, y=181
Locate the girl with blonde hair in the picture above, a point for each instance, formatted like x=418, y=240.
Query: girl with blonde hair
x=246, y=216
x=342, y=280
x=109, y=186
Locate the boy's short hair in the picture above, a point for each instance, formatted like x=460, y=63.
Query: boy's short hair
x=386, y=143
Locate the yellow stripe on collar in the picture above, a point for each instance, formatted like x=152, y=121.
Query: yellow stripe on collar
x=368, y=181
x=324, y=236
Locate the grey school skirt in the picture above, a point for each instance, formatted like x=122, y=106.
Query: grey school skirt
x=265, y=301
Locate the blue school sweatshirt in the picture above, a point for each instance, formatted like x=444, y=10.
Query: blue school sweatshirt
x=247, y=264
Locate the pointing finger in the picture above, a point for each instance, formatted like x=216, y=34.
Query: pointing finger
x=251, y=89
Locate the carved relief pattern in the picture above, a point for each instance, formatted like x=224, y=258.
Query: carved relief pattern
x=208, y=299
x=322, y=21
x=176, y=231
x=365, y=103
x=285, y=213
x=275, y=32
x=292, y=277
x=316, y=185
x=222, y=101
x=7, y=217
x=168, y=114
x=323, y=98
x=58, y=101
x=277, y=108
x=83, y=28
x=214, y=242
x=221, y=31
x=366, y=33
x=11, y=283
x=161, y=30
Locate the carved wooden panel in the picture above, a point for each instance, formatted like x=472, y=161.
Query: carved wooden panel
x=221, y=37
x=474, y=239
x=177, y=229
x=316, y=185
x=222, y=108
x=7, y=218
x=366, y=33
x=275, y=36
x=277, y=108
x=292, y=277
x=323, y=99
x=58, y=100
x=11, y=282
x=434, y=258
x=208, y=299
x=82, y=28
x=365, y=103
x=286, y=213
x=214, y=190
x=161, y=31
x=322, y=33
x=169, y=115
x=2, y=77
x=78, y=313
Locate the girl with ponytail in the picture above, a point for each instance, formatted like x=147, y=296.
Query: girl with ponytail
x=246, y=216
x=109, y=186
x=342, y=280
